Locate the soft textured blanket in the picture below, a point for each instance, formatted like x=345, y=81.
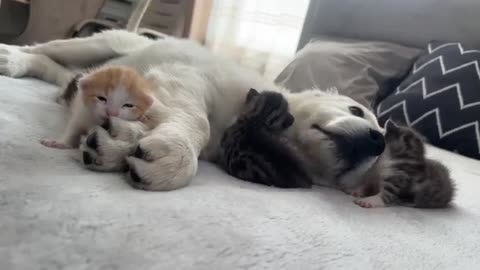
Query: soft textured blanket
x=56, y=215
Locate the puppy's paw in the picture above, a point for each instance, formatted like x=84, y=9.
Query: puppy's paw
x=100, y=152
x=142, y=154
x=13, y=62
x=128, y=131
x=162, y=163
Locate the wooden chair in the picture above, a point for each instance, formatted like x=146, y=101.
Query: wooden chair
x=154, y=19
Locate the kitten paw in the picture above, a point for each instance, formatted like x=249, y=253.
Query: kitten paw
x=363, y=204
x=272, y=109
x=370, y=202
x=356, y=194
x=13, y=62
x=55, y=144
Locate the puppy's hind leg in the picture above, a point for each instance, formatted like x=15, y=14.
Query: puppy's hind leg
x=47, y=61
x=15, y=63
x=91, y=50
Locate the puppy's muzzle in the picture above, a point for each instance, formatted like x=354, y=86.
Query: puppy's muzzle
x=358, y=147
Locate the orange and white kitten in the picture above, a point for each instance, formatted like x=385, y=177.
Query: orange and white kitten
x=111, y=91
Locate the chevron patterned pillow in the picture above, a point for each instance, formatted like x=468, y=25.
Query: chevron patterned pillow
x=440, y=98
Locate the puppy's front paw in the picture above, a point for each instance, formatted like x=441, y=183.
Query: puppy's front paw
x=128, y=131
x=100, y=152
x=162, y=163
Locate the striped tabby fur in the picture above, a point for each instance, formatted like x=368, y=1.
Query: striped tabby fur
x=254, y=149
x=405, y=176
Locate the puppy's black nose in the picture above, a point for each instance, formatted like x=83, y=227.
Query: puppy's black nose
x=366, y=144
x=87, y=159
x=357, y=147
x=92, y=141
x=376, y=142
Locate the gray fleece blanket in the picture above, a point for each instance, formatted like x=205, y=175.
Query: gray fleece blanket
x=56, y=215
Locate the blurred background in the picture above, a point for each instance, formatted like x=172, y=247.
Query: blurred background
x=262, y=35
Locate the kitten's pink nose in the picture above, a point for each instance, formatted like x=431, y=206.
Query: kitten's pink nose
x=112, y=112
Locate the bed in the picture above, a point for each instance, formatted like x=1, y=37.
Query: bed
x=54, y=214
x=57, y=215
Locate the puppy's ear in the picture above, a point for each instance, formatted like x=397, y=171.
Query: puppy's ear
x=251, y=94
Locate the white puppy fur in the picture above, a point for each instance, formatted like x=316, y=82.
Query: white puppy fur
x=113, y=145
x=199, y=95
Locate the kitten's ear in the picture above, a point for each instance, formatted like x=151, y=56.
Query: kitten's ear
x=390, y=126
x=251, y=94
x=84, y=83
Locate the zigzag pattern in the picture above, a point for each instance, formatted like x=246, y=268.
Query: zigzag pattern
x=447, y=71
x=456, y=88
x=456, y=44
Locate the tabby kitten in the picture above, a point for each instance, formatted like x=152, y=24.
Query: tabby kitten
x=111, y=91
x=404, y=175
x=254, y=148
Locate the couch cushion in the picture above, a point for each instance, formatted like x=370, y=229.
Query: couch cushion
x=356, y=68
x=441, y=98
x=407, y=22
